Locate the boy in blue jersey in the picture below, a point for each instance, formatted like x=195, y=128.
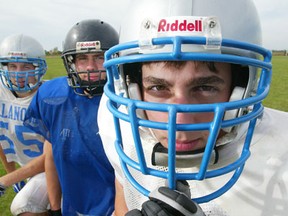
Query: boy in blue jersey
x=22, y=66
x=64, y=111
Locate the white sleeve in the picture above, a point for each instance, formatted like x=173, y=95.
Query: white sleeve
x=108, y=136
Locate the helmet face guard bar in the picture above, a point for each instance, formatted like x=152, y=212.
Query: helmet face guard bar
x=117, y=99
x=38, y=73
x=76, y=82
x=93, y=87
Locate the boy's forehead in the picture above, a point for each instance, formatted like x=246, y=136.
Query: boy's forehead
x=90, y=54
x=198, y=68
x=167, y=64
x=19, y=63
x=181, y=64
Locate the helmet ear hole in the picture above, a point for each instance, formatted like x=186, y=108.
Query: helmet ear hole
x=135, y=94
x=237, y=94
x=134, y=91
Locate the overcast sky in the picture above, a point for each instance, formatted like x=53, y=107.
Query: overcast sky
x=49, y=20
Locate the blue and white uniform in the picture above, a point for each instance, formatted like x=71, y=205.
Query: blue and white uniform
x=261, y=189
x=20, y=144
x=69, y=122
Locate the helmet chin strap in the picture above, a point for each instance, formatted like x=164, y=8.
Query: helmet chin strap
x=94, y=90
x=19, y=93
x=220, y=154
x=183, y=159
x=30, y=86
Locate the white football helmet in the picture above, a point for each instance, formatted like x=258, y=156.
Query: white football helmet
x=21, y=48
x=188, y=30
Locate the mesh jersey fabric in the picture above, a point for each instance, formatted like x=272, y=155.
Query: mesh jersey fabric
x=69, y=122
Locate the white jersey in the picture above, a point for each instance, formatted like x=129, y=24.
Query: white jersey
x=261, y=189
x=19, y=143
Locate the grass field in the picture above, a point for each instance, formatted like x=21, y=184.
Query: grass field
x=55, y=67
x=278, y=99
x=278, y=96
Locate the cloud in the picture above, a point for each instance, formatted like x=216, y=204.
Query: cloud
x=49, y=20
x=274, y=19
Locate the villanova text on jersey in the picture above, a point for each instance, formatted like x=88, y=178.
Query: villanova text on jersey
x=19, y=143
x=12, y=112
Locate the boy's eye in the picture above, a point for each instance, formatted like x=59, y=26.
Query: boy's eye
x=205, y=88
x=28, y=67
x=11, y=67
x=81, y=58
x=100, y=57
x=157, y=88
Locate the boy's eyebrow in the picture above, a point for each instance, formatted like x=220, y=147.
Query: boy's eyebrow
x=198, y=81
x=94, y=55
x=14, y=63
x=208, y=80
x=80, y=55
x=150, y=80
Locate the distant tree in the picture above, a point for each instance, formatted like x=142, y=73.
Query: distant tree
x=279, y=52
x=53, y=51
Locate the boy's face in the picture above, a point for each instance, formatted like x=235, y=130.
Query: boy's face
x=92, y=62
x=192, y=83
x=19, y=79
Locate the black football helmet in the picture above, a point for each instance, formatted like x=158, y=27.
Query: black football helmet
x=87, y=36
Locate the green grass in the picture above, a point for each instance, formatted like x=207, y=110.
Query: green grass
x=278, y=95
x=6, y=200
x=278, y=99
x=55, y=67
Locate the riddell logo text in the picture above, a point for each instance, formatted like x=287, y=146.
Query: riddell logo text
x=166, y=26
x=19, y=54
x=88, y=44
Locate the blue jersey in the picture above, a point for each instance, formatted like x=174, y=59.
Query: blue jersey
x=69, y=122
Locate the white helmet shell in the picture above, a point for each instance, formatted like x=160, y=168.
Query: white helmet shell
x=21, y=43
x=234, y=25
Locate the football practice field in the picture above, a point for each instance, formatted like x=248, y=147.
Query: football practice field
x=277, y=99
